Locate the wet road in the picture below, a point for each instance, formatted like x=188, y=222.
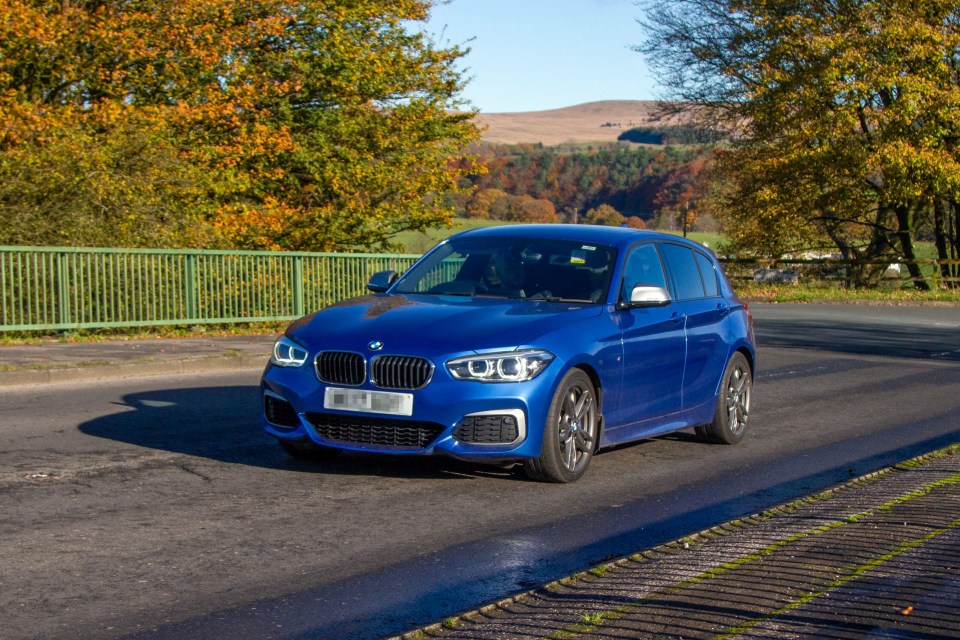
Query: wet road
x=156, y=508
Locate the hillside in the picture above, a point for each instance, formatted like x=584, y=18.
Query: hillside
x=590, y=122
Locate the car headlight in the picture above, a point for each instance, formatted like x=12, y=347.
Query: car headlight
x=508, y=366
x=287, y=353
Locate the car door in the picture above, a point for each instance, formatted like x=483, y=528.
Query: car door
x=654, y=348
x=696, y=287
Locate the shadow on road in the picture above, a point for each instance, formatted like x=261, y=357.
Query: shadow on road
x=222, y=423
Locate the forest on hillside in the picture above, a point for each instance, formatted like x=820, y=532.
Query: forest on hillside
x=648, y=182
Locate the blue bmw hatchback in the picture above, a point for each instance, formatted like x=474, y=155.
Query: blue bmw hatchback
x=532, y=344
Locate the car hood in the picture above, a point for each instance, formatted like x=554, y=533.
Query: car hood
x=415, y=324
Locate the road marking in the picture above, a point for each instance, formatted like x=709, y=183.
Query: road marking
x=766, y=376
x=944, y=354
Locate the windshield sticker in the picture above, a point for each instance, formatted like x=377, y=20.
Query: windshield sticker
x=588, y=247
x=578, y=257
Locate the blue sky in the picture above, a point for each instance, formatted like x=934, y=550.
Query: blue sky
x=529, y=55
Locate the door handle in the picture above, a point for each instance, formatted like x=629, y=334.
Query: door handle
x=678, y=318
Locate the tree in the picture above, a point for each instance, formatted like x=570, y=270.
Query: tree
x=481, y=202
x=847, y=114
x=127, y=186
x=495, y=204
x=529, y=209
x=325, y=124
x=605, y=215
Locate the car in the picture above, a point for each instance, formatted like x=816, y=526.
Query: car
x=532, y=345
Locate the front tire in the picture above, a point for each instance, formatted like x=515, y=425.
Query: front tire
x=733, y=404
x=570, y=432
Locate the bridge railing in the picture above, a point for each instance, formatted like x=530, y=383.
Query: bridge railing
x=936, y=273
x=61, y=288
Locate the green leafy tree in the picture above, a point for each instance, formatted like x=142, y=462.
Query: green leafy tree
x=127, y=186
x=848, y=114
x=326, y=124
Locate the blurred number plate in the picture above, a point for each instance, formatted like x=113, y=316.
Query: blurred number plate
x=395, y=404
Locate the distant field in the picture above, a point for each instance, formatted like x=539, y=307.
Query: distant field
x=593, y=122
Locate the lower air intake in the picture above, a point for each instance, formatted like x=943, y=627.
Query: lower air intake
x=280, y=412
x=493, y=429
x=386, y=432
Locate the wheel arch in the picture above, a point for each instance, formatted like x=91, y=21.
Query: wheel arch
x=598, y=393
x=750, y=356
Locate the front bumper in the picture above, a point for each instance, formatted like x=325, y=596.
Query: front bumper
x=491, y=422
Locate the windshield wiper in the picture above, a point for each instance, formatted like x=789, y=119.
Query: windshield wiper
x=559, y=299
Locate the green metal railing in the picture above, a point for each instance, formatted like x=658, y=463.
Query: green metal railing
x=58, y=288
x=936, y=273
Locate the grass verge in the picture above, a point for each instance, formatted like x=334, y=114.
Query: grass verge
x=820, y=293
x=142, y=333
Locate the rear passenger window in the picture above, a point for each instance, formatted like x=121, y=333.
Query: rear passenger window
x=683, y=270
x=708, y=272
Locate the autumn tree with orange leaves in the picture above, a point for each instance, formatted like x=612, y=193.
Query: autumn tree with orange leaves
x=847, y=115
x=317, y=125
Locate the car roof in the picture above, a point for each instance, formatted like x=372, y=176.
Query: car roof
x=599, y=234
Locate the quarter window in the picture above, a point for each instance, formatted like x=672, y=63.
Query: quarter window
x=708, y=272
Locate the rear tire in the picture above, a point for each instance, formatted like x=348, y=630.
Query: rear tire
x=733, y=404
x=308, y=451
x=570, y=432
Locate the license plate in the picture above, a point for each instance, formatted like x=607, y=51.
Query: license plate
x=394, y=404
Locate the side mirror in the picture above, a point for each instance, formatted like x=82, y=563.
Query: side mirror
x=381, y=281
x=644, y=295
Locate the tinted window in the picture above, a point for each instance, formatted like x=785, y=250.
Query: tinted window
x=709, y=274
x=513, y=267
x=683, y=270
x=643, y=267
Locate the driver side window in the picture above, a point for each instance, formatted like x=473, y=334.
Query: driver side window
x=643, y=266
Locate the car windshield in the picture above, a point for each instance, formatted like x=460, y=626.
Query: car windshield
x=533, y=268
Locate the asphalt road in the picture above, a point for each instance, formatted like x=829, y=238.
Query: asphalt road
x=156, y=508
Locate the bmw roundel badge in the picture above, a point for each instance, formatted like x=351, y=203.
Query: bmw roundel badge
x=376, y=345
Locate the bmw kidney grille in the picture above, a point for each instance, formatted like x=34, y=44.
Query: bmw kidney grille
x=386, y=372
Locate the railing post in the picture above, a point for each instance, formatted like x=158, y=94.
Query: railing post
x=191, y=283
x=63, y=291
x=298, y=306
